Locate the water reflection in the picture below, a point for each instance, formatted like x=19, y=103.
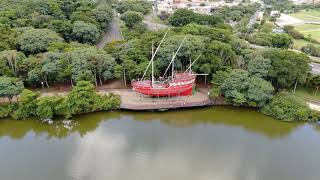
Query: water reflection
x=244, y=118
x=128, y=149
x=220, y=143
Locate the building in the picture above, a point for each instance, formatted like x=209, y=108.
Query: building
x=299, y=2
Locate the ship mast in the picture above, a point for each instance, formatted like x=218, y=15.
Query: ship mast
x=152, y=67
x=189, y=68
x=175, y=54
x=154, y=54
x=172, y=66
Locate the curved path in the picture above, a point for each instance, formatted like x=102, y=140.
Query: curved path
x=112, y=34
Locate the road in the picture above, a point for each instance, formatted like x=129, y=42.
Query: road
x=315, y=68
x=112, y=34
x=151, y=24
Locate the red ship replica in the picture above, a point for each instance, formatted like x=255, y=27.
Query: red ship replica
x=178, y=84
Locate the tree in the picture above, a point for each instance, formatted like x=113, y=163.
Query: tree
x=274, y=17
x=95, y=63
x=85, y=32
x=10, y=62
x=214, y=33
x=34, y=41
x=259, y=66
x=190, y=49
x=220, y=76
x=281, y=41
x=10, y=87
x=257, y=91
x=241, y=89
x=315, y=82
x=287, y=67
x=103, y=14
x=232, y=86
x=82, y=98
x=182, y=17
x=64, y=28
x=131, y=18
x=141, y=6
x=8, y=37
x=51, y=67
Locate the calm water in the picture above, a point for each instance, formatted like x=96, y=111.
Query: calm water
x=204, y=144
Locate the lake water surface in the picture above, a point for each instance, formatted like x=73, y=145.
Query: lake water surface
x=219, y=143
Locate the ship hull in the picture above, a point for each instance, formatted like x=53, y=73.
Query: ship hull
x=185, y=90
x=181, y=85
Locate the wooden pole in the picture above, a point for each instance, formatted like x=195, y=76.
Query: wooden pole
x=295, y=87
x=124, y=78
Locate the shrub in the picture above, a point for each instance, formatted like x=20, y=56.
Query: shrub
x=311, y=50
x=26, y=107
x=285, y=106
x=215, y=93
x=49, y=106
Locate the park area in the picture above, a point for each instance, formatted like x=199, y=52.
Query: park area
x=309, y=25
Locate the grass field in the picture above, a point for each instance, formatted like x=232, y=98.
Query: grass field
x=311, y=15
x=312, y=29
x=308, y=93
x=306, y=29
x=299, y=43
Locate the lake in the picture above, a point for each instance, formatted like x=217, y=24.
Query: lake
x=217, y=143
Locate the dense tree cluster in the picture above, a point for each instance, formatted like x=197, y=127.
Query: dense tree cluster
x=183, y=17
x=29, y=21
x=78, y=63
x=141, y=6
x=254, y=85
x=242, y=89
x=236, y=13
x=81, y=99
x=271, y=39
x=37, y=49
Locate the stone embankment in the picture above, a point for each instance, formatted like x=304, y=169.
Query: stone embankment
x=133, y=101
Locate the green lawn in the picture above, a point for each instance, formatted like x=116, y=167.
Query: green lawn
x=306, y=29
x=311, y=15
x=308, y=93
x=299, y=43
x=312, y=29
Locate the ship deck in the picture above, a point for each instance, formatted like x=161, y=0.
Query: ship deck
x=131, y=100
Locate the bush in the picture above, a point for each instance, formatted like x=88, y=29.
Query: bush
x=84, y=99
x=49, y=106
x=215, y=93
x=294, y=33
x=26, y=107
x=285, y=106
x=6, y=110
x=81, y=99
x=311, y=50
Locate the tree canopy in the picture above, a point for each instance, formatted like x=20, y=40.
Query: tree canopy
x=34, y=41
x=287, y=67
